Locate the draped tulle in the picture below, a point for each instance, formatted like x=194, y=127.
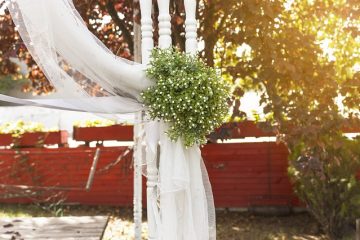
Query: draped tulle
x=186, y=203
x=74, y=60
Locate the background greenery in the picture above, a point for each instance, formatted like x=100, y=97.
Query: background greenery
x=7, y=83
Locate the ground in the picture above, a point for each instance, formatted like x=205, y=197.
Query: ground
x=230, y=225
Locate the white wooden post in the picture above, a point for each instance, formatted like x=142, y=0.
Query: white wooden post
x=152, y=168
x=152, y=171
x=138, y=148
x=151, y=184
x=164, y=24
x=147, y=42
x=191, y=26
x=138, y=128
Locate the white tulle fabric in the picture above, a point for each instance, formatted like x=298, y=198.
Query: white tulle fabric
x=184, y=203
x=74, y=60
x=186, y=210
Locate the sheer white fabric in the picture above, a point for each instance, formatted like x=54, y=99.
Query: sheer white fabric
x=74, y=60
x=186, y=210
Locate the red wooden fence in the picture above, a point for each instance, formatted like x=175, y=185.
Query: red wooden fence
x=67, y=169
x=248, y=174
x=242, y=174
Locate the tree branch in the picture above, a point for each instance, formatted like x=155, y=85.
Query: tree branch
x=125, y=31
x=177, y=28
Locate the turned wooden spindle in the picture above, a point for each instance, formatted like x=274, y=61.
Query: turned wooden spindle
x=151, y=168
x=137, y=177
x=147, y=42
x=164, y=24
x=191, y=26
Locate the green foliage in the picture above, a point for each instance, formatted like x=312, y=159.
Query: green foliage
x=189, y=95
x=299, y=56
x=325, y=179
x=7, y=83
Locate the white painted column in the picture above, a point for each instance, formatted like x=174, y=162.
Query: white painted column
x=147, y=42
x=138, y=129
x=138, y=148
x=151, y=164
x=137, y=151
x=164, y=42
x=164, y=24
x=191, y=26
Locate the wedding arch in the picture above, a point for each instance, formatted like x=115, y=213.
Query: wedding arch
x=179, y=198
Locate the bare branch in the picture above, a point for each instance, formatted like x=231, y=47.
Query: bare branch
x=125, y=31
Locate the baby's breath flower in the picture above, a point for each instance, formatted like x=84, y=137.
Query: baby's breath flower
x=189, y=95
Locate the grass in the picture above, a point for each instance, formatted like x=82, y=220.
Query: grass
x=230, y=225
x=245, y=226
x=17, y=210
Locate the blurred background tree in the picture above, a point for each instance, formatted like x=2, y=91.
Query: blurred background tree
x=302, y=57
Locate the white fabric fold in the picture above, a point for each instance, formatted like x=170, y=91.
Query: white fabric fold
x=184, y=204
x=102, y=105
x=73, y=59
